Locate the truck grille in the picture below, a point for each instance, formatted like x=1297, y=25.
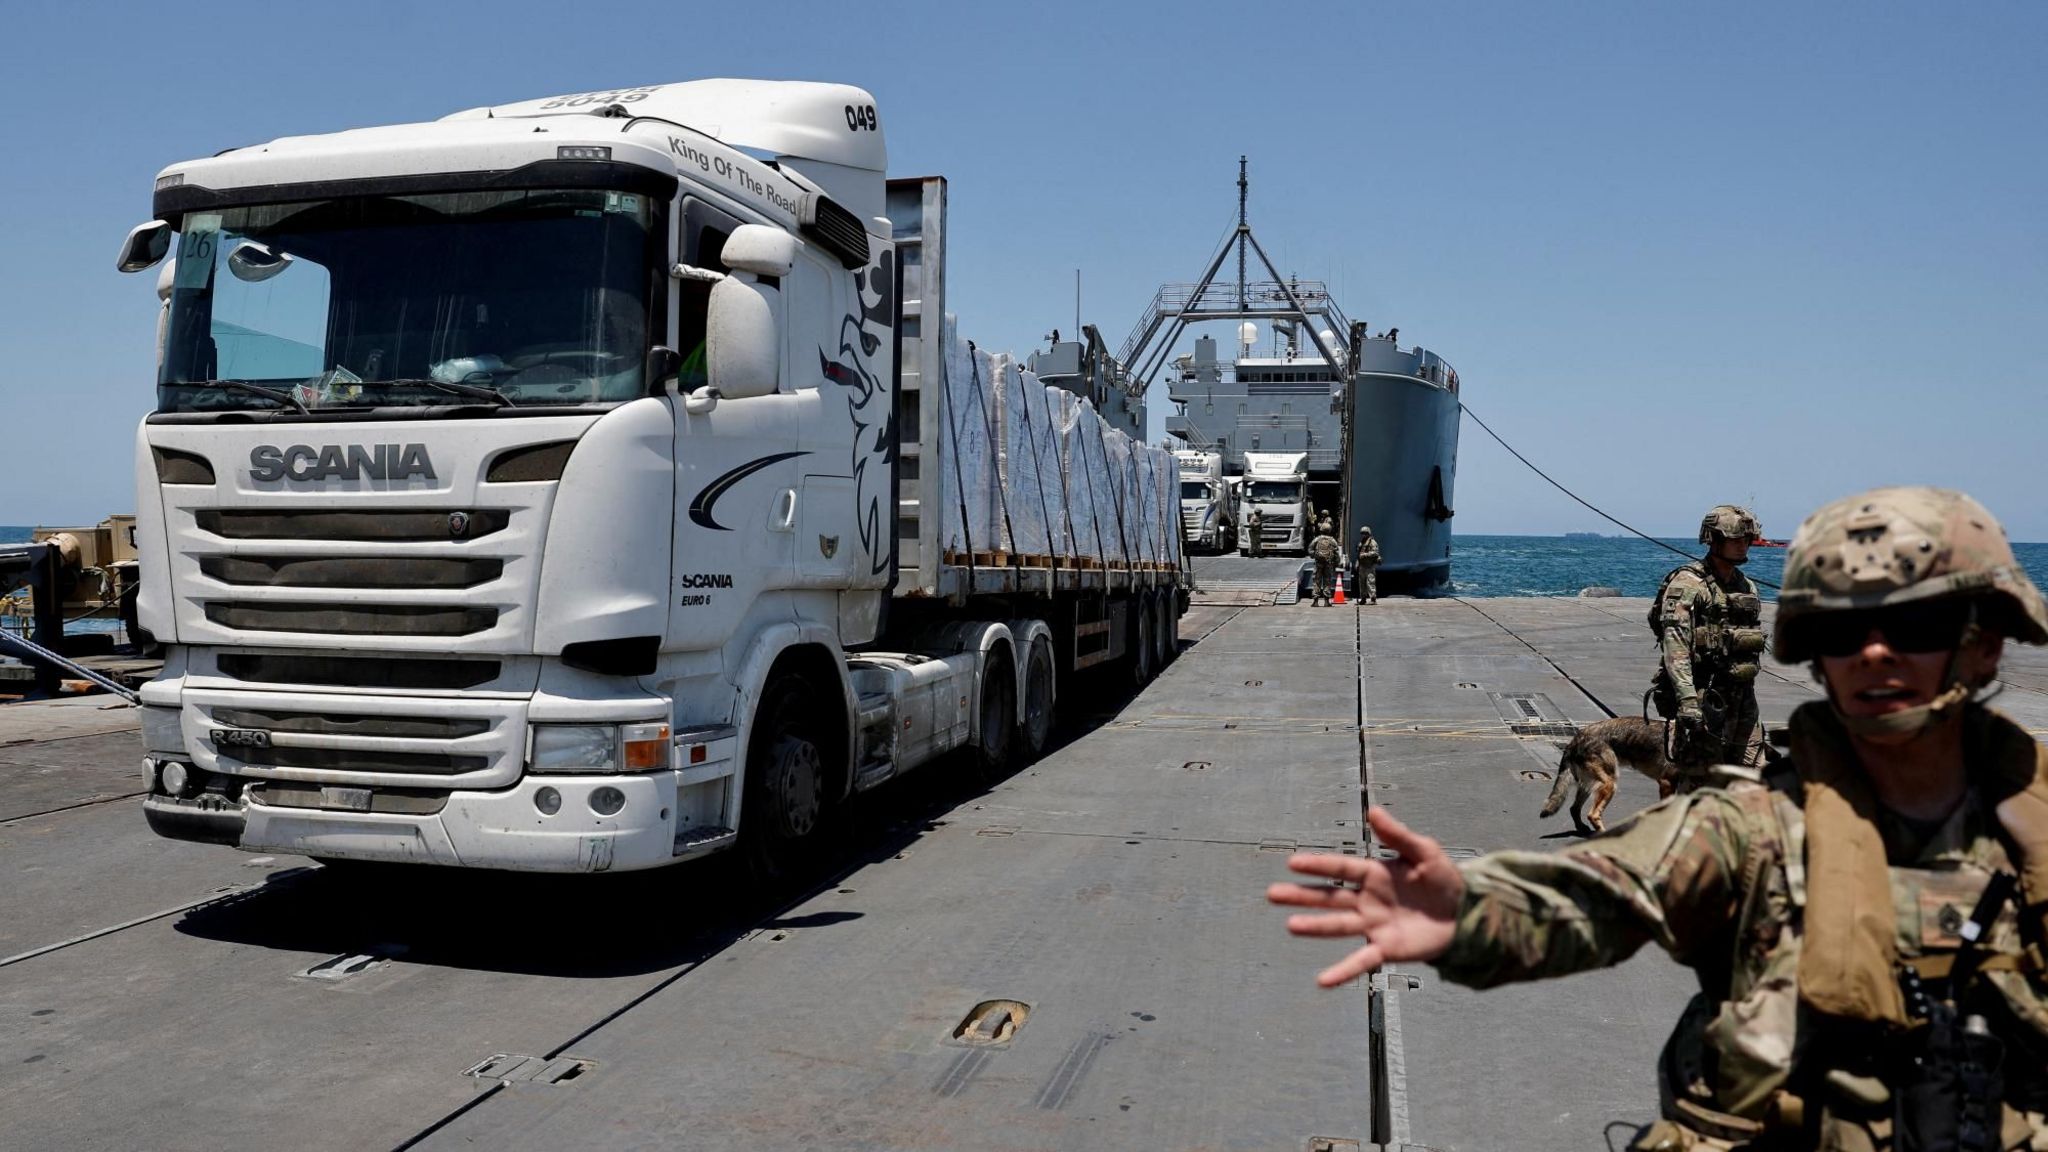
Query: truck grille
x=362, y=760
x=326, y=739
x=351, y=572
x=353, y=619
x=357, y=671
x=416, y=525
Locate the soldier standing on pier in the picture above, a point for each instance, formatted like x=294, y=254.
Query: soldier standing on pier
x=1325, y=552
x=1707, y=618
x=1869, y=924
x=1368, y=560
x=1252, y=524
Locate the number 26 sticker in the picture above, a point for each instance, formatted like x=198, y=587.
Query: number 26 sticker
x=196, y=246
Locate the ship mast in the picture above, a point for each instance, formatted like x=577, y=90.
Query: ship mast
x=1244, y=229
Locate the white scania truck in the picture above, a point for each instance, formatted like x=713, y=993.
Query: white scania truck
x=1206, y=513
x=556, y=487
x=1276, y=483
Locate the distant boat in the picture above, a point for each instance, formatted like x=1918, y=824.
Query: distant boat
x=1584, y=536
x=1760, y=542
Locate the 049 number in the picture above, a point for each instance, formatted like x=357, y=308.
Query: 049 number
x=861, y=118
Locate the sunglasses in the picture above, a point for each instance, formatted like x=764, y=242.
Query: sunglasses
x=1907, y=628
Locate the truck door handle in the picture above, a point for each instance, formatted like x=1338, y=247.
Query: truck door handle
x=784, y=519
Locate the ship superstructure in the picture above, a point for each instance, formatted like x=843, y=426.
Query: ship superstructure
x=1376, y=422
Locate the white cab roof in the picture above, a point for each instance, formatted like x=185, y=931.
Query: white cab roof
x=834, y=123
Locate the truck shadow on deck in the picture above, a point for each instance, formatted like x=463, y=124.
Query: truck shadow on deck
x=603, y=926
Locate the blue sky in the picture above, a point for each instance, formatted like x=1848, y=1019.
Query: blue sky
x=1679, y=254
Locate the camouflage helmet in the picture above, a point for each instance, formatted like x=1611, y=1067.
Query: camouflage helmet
x=1730, y=522
x=1898, y=546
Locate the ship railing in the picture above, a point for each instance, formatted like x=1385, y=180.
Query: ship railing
x=1219, y=298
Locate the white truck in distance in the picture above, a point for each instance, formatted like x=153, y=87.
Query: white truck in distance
x=1206, y=514
x=559, y=487
x=1275, y=483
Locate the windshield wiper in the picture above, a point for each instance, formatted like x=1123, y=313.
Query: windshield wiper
x=268, y=393
x=477, y=391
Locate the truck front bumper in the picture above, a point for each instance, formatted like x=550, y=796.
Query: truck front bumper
x=503, y=829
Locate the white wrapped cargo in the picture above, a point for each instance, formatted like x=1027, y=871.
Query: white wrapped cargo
x=1040, y=440
x=1075, y=477
x=1169, y=507
x=971, y=518
x=1024, y=504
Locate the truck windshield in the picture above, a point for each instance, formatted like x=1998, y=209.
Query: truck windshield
x=522, y=297
x=1274, y=492
x=1194, y=490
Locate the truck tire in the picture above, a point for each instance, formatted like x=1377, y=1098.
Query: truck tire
x=1034, y=717
x=785, y=806
x=996, y=742
x=1140, y=647
x=1164, y=639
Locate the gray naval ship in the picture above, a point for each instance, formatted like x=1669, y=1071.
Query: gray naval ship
x=1377, y=422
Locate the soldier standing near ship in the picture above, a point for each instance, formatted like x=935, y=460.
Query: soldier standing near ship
x=1708, y=621
x=1368, y=561
x=1253, y=523
x=1869, y=924
x=1325, y=552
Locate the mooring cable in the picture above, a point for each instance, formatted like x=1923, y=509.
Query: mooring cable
x=1462, y=407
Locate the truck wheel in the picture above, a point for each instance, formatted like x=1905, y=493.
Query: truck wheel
x=1140, y=645
x=785, y=804
x=997, y=741
x=1036, y=715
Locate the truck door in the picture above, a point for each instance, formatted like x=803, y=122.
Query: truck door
x=737, y=469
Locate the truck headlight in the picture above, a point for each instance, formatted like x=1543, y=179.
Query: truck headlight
x=599, y=748
x=163, y=731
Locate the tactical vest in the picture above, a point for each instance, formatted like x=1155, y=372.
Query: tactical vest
x=1744, y=1066
x=1728, y=640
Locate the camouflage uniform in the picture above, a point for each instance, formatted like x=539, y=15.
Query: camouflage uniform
x=1712, y=643
x=1254, y=536
x=1324, y=551
x=1718, y=879
x=1368, y=566
x=1806, y=907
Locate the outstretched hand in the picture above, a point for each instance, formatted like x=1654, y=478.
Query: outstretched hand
x=1407, y=908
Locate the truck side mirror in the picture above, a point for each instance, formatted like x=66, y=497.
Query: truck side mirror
x=742, y=342
x=146, y=244
x=759, y=249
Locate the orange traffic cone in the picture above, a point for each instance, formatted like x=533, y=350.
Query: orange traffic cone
x=1338, y=587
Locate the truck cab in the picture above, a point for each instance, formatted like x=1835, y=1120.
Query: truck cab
x=1207, y=512
x=522, y=490
x=1276, y=484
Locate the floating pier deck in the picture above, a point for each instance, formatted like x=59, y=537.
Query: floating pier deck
x=1077, y=957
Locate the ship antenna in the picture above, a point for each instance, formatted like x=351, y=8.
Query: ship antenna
x=1243, y=229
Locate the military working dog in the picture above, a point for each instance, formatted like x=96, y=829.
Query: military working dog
x=1594, y=757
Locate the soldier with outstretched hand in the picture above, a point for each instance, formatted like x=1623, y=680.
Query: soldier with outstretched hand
x=1869, y=923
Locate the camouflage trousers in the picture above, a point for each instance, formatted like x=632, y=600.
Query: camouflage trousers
x=1369, y=581
x=1325, y=579
x=1737, y=739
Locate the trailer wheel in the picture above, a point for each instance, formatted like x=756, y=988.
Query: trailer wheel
x=1140, y=646
x=997, y=741
x=784, y=805
x=1035, y=716
x=1165, y=634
